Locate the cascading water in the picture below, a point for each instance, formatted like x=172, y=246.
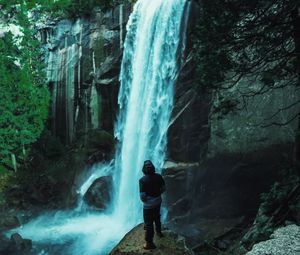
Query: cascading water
x=152, y=52
x=149, y=68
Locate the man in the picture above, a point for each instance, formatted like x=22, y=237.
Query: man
x=152, y=185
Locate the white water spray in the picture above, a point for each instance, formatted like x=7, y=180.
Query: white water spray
x=152, y=53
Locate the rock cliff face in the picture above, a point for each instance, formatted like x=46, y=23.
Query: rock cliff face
x=188, y=134
x=83, y=61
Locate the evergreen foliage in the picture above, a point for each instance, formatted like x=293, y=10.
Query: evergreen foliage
x=238, y=38
x=63, y=8
x=75, y=8
x=24, y=96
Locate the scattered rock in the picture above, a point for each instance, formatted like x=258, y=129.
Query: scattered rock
x=132, y=244
x=97, y=156
x=98, y=194
x=9, y=221
x=19, y=243
x=285, y=240
x=223, y=244
x=5, y=245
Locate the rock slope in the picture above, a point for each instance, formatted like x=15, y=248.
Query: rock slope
x=132, y=244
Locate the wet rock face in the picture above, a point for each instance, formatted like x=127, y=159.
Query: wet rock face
x=83, y=61
x=179, y=179
x=98, y=195
x=188, y=134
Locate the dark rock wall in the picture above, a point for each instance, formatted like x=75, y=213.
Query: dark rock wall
x=221, y=164
x=189, y=132
x=82, y=62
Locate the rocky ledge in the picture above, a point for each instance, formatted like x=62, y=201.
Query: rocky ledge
x=284, y=240
x=132, y=244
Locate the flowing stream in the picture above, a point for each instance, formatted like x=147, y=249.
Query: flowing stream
x=153, y=51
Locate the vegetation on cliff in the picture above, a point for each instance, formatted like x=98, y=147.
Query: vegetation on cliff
x=255, y=42
x=63, y=8
x=24, y=96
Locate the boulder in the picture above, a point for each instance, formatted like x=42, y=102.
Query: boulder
x=99, y=193
x=132, y=244
x=5, y=245
x=9, y=221
x=19, y=243
x=16, y=245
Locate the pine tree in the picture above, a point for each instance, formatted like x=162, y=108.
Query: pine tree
x=24, y=96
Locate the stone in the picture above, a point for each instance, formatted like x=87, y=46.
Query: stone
x=99, y=193
x=189, y=130
x=178, y=177
x=44, y=190
x=223, y=244
x=19, y=243
x=188, y=134
x=285, y=240
x=83, y=63
x=247, y=130
x=5, y=245
x=132, y=244
x=9, y=221
x=217, y=194
x=100, y=140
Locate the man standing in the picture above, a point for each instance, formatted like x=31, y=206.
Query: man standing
x=152, y=185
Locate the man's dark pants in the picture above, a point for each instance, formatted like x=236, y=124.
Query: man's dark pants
x=150, y=216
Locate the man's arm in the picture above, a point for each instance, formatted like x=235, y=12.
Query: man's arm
x=143, y=195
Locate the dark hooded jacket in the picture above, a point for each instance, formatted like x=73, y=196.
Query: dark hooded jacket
x=152, y=185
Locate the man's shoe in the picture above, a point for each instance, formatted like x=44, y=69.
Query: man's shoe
x=160, y=234
x=149, y=246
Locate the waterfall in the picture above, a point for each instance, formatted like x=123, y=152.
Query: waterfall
x=149, y=68
x=153, y=50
